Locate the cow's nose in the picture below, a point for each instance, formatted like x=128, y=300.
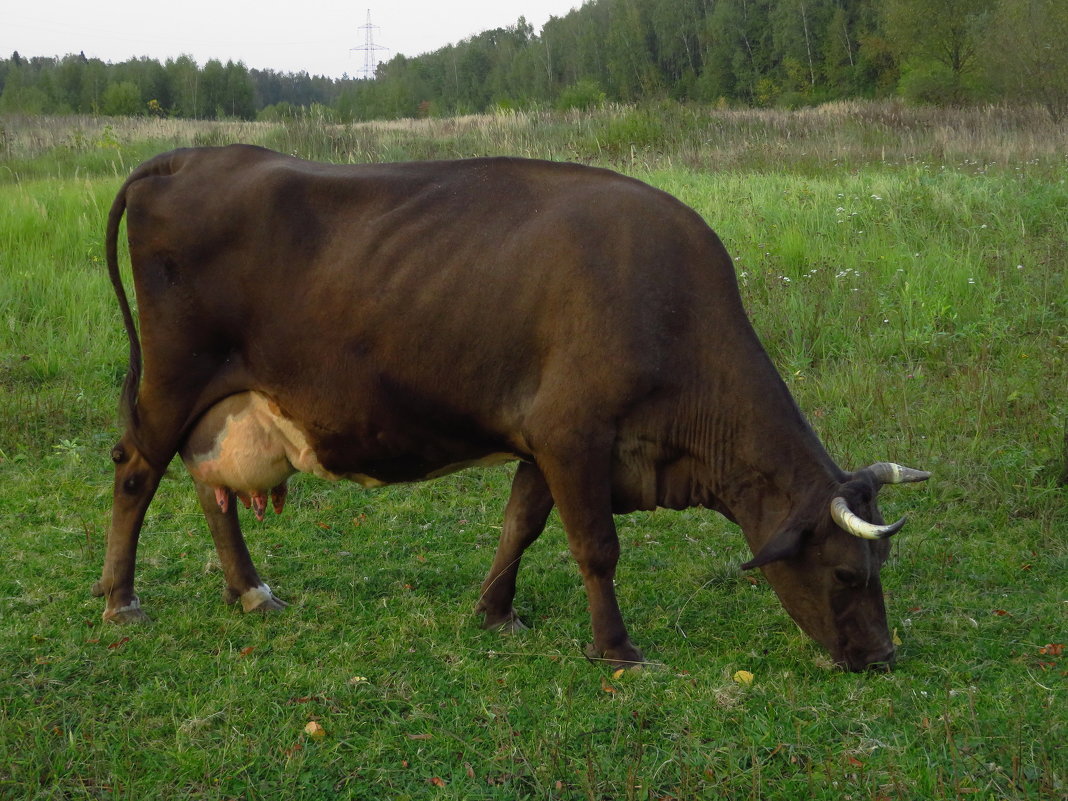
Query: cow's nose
x=882, y=662
x=878, y=660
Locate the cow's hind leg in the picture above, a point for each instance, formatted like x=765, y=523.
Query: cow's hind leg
x=524, y=519
x=136, y=481
x=243, y=583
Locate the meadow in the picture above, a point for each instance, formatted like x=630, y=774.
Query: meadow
x=906, y=270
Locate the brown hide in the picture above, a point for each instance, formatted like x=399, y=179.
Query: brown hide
x=411, y=319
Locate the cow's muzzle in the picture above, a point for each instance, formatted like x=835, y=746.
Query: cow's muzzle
x=880, y=661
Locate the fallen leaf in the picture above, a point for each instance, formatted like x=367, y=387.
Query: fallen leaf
x=420, y=736
x=743, y=677
x=1000, y=612
x=248, y=649
x=119, y=643
x=852, y=760
x=619, y=673
x=895, y=639
x=608, y=688
x=469, y=770
x=314, y=730
x=358, y=680
x=437, y=781
x=1052, y=649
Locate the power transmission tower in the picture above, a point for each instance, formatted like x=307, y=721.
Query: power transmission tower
x=369, y=47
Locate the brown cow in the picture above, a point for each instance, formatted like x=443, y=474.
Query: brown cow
x=391, y=323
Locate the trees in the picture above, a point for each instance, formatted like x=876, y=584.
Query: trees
x=183, y=76
x=20, y=95
x=238, y=92
x=751, y=52
x=1027, y=47
x=69, y=76
x=738, y=34
x=797, y=28
x=940, y=41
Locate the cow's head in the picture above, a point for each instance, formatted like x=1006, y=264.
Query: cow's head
x=826, y=573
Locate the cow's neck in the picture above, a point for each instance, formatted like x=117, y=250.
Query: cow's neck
x=760, y=461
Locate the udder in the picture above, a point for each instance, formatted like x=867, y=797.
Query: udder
x=239, y=447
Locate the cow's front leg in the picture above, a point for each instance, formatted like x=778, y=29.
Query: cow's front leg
x=580, y=483
x=524, y=519
x=135, y=483
x=243, y=583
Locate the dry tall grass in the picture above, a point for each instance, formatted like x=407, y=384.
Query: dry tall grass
x=852, y=132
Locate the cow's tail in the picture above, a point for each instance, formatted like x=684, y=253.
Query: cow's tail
x=165, y=164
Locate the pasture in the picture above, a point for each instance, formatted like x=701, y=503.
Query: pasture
x=906, y=270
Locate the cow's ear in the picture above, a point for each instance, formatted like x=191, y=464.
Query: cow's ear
x=783, y=545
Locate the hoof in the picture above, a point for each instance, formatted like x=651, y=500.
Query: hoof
x=509, y=624
x=625, y=656
x=97, y=590
x=261, y=599
x=271, y=604
x=125, y=615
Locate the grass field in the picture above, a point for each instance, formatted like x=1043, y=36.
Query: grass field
x=906, y=272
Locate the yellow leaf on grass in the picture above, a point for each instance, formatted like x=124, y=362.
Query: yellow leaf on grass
x=743, y=677
x=895, y=639
x=619, y=673
x=314, y=730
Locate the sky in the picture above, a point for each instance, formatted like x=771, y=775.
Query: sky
x=316, y=36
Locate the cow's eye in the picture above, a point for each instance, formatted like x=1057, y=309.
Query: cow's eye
x=847, y=576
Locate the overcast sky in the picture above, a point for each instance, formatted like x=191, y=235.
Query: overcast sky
x=312, y=35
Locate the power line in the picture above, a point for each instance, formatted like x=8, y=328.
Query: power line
x=369, y=47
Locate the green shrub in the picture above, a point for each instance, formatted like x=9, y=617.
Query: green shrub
x=584, y=95
x=936, y=84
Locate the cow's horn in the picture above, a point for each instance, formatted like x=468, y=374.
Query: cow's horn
x=857, y=526
x=890, y=473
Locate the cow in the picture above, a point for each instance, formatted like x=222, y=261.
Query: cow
x=390, y=323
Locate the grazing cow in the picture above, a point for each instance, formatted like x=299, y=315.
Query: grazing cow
x=392, y=323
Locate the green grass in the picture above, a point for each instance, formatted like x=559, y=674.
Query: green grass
x=924, y=321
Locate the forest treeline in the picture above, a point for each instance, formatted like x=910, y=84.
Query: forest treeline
x=783, y=53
